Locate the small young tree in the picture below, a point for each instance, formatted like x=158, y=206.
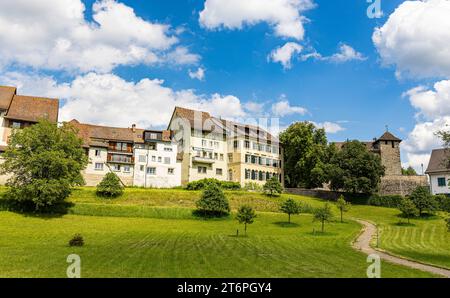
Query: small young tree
x=323, y=214
x=246, y=216
x=290, y=207
x=213, y=201
x=273, y=187
x=423, y=200
x=45, y=161
x=110, y=187
x=408, y=208
x=343, y=206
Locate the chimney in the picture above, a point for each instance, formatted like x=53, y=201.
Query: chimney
x=133, y=128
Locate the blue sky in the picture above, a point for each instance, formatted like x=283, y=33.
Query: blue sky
x=114, y=62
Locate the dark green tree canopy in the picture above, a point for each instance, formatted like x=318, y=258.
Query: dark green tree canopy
x=354, y=169
x=273, y=187
x=110, y=186
x=323, y=214
x=305, y=153
x=246, y=215
x=409, y=171
x=423, y=200
x=45, y=161
x=290, y=207
x=213, y=201
x=408, y=208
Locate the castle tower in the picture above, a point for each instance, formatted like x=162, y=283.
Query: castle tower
x=388, y=146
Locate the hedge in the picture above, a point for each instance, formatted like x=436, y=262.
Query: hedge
x=201, y=184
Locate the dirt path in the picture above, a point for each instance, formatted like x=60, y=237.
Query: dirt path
x=362, y=243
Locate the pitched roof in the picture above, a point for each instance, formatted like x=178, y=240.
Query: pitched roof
x=6, y=95
x=387, y=136
x=33, y=109
x=98, y=136
x=439, y=161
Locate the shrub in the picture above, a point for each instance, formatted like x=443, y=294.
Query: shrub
x=390, y=201
x=77, y=240
x=273, y=187
x=423, y=200
x=213, y=202
x=253, y=186
x=203, y=183
x=443, y=202
x=110, y=186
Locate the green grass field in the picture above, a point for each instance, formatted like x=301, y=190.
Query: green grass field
x=152, y=233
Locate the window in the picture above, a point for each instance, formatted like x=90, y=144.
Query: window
x=216, y=156
x=142, y=158
x=159, y=159
x=115, y=168
x=142, y=168
x=221, y=157
x=248, y=158
x=203, y=143
x=254, y=159
x=98, y=166
x=260, y=176
x=393, y=144
x=152, y=146
x=97, y=153
x=151, y=171
x=216, y=145
x=254, y=175
x=236, y=144
x=126, y=169
x=268, y=148
x=247, y=144
x=219, y=172
x=170, y=171
x=268, y=162
x=168, y=149
x=153, y=158
x=121, y=147
x=201, y=170
x=441, y=181
x=247, y=174
x=167, y=160
x=230, y=157
x=255, y=146
x=16, y=125
x=153, y=136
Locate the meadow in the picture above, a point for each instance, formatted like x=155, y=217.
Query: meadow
x=152, y=233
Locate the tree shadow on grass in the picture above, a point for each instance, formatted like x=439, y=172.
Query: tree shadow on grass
x=403, y=224
x=28, y=209
x=284, y=224
x=210, y=216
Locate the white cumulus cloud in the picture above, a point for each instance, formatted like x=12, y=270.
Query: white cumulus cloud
x=285, y=53
x=283, y=108
x=285, y=16
x=199, y=74
x=330, y=127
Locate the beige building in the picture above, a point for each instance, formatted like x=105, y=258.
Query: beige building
x=18, y=111
x=209, y=147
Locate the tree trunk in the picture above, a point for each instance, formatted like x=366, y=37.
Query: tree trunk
x=245, y=225
x=289, y=220
x=341, y=216
x=323, y=223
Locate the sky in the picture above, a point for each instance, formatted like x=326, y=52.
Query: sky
x=355, y=68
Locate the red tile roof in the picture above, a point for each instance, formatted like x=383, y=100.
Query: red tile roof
x=33, y=109
x=6, y=95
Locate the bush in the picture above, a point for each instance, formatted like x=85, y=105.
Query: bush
x=203, y=183
x=253, y=186
x=110, y=186
x=423, y=200
x=273, y=187
x=77, y=240
x=213, y=202
x=390, y=201
x=443, y=202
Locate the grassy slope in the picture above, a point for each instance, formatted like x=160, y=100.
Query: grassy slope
x=145, y=247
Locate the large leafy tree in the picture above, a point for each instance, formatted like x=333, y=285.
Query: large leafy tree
x=354, y=169
x=45, y=162
x=305, y=154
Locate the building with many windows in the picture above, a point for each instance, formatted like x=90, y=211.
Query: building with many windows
x=211, y=147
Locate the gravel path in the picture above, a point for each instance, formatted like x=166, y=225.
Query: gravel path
x=362, y=243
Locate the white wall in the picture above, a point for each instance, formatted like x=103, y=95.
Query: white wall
x=162, y=178
x=435, y=189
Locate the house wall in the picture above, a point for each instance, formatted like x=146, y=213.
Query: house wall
x=162, y=178
x=435, y=188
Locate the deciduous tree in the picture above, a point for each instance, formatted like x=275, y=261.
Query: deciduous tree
x=343, y=206
x=290, y=207
x=323, y=214
x=246, y=215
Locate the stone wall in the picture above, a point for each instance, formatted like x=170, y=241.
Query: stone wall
x=401, y=185
x=390, y=158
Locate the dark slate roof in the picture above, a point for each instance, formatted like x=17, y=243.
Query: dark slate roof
x=387, y=136
x=439, y=161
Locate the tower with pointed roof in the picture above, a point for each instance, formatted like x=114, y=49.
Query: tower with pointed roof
x=388, y=146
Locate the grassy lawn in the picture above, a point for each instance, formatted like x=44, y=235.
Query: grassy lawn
x=146, y=247
x=152, y=233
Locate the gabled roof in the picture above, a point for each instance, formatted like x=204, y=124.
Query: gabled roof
x=439, y=161
x=33, y=109
x=6, y=96
x=387, y=136
x=99, y=136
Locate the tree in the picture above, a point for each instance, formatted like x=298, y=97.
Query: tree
x=45, y=162
x=273, y=187
x=110, y=186
x=448, y=223
x=290, y=207
x=305, y=154
x=246, y=216
x=423, y=200
x=409, y=171
x=354, y=169
x=213, y=201
x=408, y=208
x=343, y=206
x=323, y=214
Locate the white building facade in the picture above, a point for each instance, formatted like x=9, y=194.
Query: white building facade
x=438, y=171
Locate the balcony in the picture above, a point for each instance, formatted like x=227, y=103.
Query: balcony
x=122, y=159
x=200, y=159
